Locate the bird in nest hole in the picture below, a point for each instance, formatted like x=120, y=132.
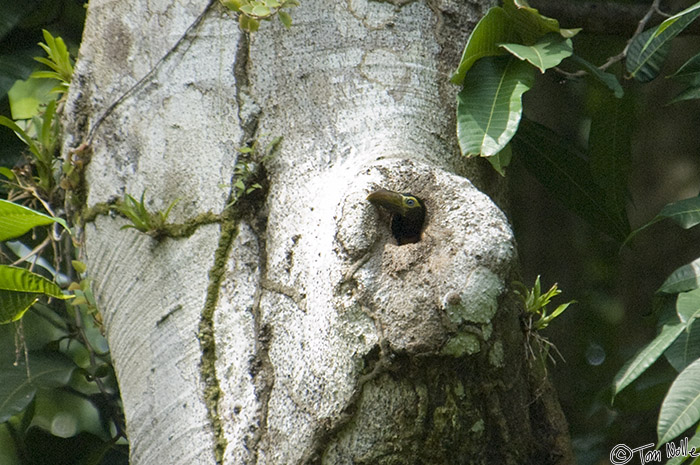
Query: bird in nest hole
x=407, y=214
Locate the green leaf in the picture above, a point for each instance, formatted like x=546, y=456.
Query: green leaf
x=489, y=106
x=562, y=170
x=685, y=278
x=4, y=121
x=688, y=74
x=691, y=93
x=20, y=288
x=608, y=79
x=26, y=97
x=685, y=349
x=546, y=53
x=681, y=408
x=647, y=356
x=17, y=391
x=261, y=11
x=648, y=50
x=16, y=220
x=285, y=18
x=688, y=306
x=609, y=147
x=501, y=160
x=492, y=29
x=7, y=172
x=685, y=213
x=530, y=24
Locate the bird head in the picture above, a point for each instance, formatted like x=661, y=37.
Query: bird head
x=408, y=214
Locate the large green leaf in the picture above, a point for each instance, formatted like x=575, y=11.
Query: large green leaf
x=648, y=51
x=489, y=106
x=16, y=220
x=26, y=97
x=647, y=356
x=609, y=146
x=492, y=29
x=17, y=390
x=561, y=168
x=20, y=288
x=546, y=53
x=685, y=278
x=681, y=408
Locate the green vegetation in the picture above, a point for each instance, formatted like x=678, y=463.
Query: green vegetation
x=499, y=64
x=151, y=223
x=59, y=393
x=251, y=12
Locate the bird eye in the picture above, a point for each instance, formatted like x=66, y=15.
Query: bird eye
x=410, y=202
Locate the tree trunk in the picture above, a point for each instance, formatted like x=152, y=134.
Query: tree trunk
x=289, y=327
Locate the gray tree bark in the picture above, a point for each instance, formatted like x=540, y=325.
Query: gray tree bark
x=290, y=328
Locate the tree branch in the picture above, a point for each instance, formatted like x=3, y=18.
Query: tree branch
x=602, y=17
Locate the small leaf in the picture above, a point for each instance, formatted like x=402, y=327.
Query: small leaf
x=16, y=220
x=285, y=18
x=546, y=53
x=681, y=408
x=689, y=73
x=501, y=160
x=685, y=213
x=489, y=105
x=648, y=50
x=609, y=80
x=4, y=121
x=79, y=266
x=234, y=5
x=261, y=11
x=691, y=93
x=685, y=278
x=7, y=172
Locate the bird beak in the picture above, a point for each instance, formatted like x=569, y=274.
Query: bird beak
x=392, y=201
